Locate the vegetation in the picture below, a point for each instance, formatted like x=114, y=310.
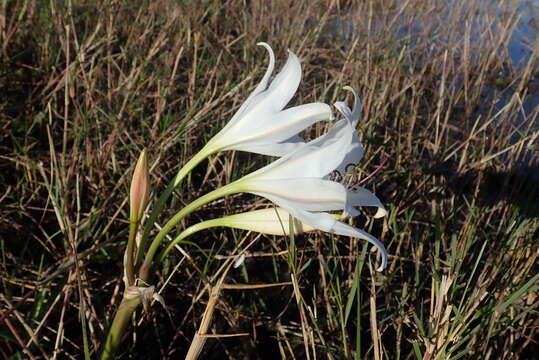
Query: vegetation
x=86, y=85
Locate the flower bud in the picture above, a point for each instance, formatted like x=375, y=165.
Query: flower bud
x=140, y=188
x=271, y=221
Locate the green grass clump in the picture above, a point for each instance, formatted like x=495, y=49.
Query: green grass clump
x=87, y=84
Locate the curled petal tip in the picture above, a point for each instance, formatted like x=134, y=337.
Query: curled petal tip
x=356, y=112
x=383, y=265
x=292, y=55
x=271, y=54
x=270, y=51
x=351, y=89
x=380, y=213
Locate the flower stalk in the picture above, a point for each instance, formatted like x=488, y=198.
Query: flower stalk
x=160, y=204
x=119, y=324
x=229, y=189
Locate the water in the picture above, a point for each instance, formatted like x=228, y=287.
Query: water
x=523, y=43
x=525, y=37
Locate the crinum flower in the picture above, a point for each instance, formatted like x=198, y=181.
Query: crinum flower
x=261, y=125
x=299, y=182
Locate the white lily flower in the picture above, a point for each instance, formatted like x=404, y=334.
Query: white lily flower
x=299, y=183
x=261, y=125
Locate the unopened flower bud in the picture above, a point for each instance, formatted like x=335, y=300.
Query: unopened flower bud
x=140, y=188
x=271, y=221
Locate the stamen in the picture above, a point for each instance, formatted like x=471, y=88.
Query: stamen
x=386, y=159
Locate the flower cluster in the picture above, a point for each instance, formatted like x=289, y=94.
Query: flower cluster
x=303, y=182
x=300, y=181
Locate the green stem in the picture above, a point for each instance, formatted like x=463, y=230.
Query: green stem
x=229, y=189
x=119, y=324
x=129, y=267
x=188, y=232
x=194, y=161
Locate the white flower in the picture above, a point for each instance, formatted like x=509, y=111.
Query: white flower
x=299, y=181
x=261, y=125
x=270, y=221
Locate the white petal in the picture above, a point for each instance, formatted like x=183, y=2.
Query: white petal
x=363, y=197
x=272, y=149
x=327, y=223
x=353, y=155
x=264, y=82
x=343, y=109
x=295, y=140
x=271, y=221
x=311, y=194
x=356, y=150
x=262, y=86
x=380, y=213
x=285, y=84
x=293, y=120
x=276, y=127
x=341, y=228
x=354, y=115
x=317, y=158
x=277, y=95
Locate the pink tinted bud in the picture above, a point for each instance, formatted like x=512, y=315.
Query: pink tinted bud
x=140, y=188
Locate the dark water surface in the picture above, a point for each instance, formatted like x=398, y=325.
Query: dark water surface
x=524, y=39
x=482, y=16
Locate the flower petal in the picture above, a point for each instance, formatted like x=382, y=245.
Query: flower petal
x=310, y=194
x=317, y=158
x=356, y=150
x=273, y=148
x=273, y=128
x=363, y=197
x=270, y=221
x=349, y=162
x=341, y=228
x=262, y=86
x=260, y=125
x=277, y=95
x=285, y=84
x=327, y=223
x=354, y=115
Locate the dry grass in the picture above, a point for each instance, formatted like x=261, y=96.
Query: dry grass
x=86, y=85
